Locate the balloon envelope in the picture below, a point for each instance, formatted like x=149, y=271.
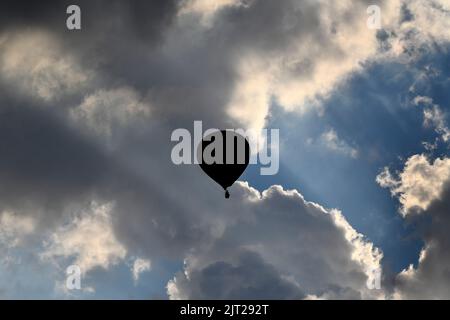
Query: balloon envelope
x=223, y=156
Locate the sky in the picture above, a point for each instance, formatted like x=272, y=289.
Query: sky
x=362, y=195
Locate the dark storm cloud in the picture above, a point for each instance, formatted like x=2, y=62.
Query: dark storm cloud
x=143, y=18
x=43, y=162
x=250, y=278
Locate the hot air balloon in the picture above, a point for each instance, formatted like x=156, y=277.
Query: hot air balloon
x=224, y=155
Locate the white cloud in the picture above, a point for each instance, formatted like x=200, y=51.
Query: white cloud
x=419, y=184
x=206, y=8
x=301, y=72
x=418, y=27
x=424, y=186
x=14, y=228
x=434, y=117
x=89, y=239
x=139, y=266
x=251, y=98
x=306, y=67
x=331, y=140
x=106, y=111
x=427, y=101
x=431, y=20
x=38, y=66
x=319, y=56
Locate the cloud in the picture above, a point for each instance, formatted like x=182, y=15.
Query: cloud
x=89, y=239
x=247, y=278
x=139, y=266
x=419, y=184
x=423, y=187
x=434, y=117
x=429, y=20
x=331, y=140
x=427, y=101
x=413, y=28
x=107, y=111
x=36, y=64
x=307, y=51
x=430, y=278
x=140, y=18
x=304, y=51
x=281, y=247
x=14, y=228
x=58, y=103
x=206, y=8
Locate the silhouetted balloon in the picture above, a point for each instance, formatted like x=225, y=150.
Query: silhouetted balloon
x=224, y=156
